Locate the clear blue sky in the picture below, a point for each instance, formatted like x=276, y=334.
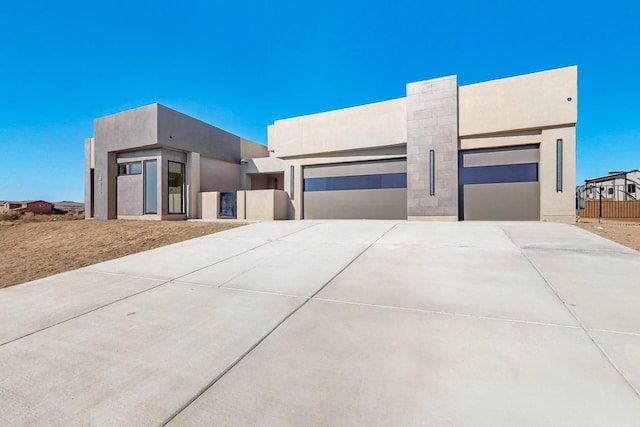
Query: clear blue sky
x=240, y=65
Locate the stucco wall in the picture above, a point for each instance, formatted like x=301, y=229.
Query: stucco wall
x=250, y=149
x=362, y=127
x=126, y=130
x=523, y=102
x=262, y=205
x=217, y=175
x=558, y=206
x=189, y=134
x=130, y=195
x=89, y=164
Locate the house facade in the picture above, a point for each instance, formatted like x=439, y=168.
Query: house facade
x=620, y=186
x=497, y=150
x=151, y=163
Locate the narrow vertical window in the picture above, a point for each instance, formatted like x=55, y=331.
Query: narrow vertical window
x=150, y=187
x=432, y=173
x=291, y=181
x=559, y=165
x=176, y=188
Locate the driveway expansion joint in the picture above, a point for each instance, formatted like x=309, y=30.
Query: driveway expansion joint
x=575, y=316
x=270, y=332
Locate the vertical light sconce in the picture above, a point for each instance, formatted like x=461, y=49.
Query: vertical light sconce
x=558, y=165
x=432, y=173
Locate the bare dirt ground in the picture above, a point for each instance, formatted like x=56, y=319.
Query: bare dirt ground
x=41, y=247
x=626, y=233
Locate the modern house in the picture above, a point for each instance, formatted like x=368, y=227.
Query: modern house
x=497, y=150
x=619, y=186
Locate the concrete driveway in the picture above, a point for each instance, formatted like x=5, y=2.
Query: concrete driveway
x=334, y=323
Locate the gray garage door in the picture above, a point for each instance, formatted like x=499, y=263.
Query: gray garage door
x=356, y=190
x=499, y=184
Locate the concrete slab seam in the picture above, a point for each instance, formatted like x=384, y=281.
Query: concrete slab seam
x=231, y=288
x=577, y=319
x=269, y=333
x=165, y=282
x=581, y=251
x=633, y=334
x=134, y=276
x=448, y=313
x=83, y=313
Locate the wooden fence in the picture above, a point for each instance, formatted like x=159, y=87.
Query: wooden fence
x=610, y=209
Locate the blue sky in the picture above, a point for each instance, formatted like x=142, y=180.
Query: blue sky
x=241, y=65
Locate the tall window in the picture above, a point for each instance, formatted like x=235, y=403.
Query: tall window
x=558, y=165
x=176, y=188
x=150, y=187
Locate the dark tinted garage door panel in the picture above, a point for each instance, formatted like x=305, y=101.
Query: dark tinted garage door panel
x=356, y=190
x=499, y=184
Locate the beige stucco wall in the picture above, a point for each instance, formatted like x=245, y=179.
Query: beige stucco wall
x=537, y=108
x=208, y=205
x=250, y=149
x=363, y=127
x=217, y=175
x=523, y=102
x=262, y=205
x=554, y=205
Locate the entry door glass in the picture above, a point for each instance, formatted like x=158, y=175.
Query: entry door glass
x=151, y=187
x=176, y=188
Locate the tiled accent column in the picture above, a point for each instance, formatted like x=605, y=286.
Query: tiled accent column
x=432, y=124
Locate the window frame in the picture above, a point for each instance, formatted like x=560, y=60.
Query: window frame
x=126, y=168
x=183, y=209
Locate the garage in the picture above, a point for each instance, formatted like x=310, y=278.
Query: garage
x=374, y=189
x=499, y=184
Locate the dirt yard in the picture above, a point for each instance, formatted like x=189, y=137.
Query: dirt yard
x=625, y=233
x=36, y=249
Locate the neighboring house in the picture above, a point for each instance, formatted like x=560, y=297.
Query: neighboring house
x=497, y=150
x=34, y=206
x=6, y=207
x=619, y=186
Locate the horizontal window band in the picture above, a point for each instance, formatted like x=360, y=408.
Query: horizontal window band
x=370, y=167
x=524, y=172
x=500, y=149
x=356, y=182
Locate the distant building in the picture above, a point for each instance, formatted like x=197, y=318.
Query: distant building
x=619, y=186
x=34, y=206
x=6, y=207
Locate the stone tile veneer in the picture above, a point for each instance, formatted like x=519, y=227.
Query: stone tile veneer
x=432, y=124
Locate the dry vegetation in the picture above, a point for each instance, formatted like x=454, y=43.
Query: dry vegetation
x=36, y=246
